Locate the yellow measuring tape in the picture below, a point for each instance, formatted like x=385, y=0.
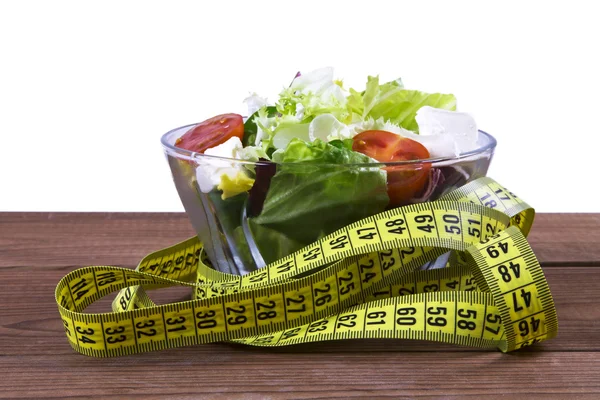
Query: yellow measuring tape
x=362, y=281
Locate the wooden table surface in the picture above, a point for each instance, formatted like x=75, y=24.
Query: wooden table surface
x=36, y=361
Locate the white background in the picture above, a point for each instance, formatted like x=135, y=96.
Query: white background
x=87, y=88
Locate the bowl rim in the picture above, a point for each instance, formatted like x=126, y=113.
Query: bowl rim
x=195, y=156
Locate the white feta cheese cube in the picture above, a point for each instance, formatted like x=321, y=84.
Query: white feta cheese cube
x=461, y=127
x=209, y=171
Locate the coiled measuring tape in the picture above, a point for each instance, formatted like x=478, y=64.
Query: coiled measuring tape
x=362, y=281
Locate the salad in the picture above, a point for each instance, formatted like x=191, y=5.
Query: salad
x=321, y=157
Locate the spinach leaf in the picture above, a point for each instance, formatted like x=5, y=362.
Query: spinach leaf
x=313, y=193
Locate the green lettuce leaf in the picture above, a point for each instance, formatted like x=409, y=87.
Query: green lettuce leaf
x=394, y=104
x=313, y=193
x=250, y=127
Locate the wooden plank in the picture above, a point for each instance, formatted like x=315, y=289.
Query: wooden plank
x=316, y=375
x=37, y=249
x=79, y=239
x=566, y=239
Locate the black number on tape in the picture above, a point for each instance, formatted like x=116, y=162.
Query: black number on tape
x=79, y=290
x=257, y=278
x=270, y=313
x=113, y=332
x=285, y=267
x=475, y=232
x=105, y=278
x=425, y=219
x=266, y=315
x=290, y=334
x=66, y=325
x=524, y=326
x=504, y=272
x=406, y=291
x=88, y=331
x=83, y=332
x=431, y=288
x=376, y=315
x=321, y=301
x=238, y=319
x=318, y=326
x=339, y=243
x=469, y=282
x=125, y=299
x=141, y=326
x=452, y=285
x=349, y=284
x=493, y=319
x=264, y=339
x=290, y=303
x=381, y=293
x=525, y=295
x=451, y=220
x=206, y=321
x=464, y=323
x=407, y=251
x=368, y=275
x=403, y=318
x=396, y=225
x=437, y=321
x=175, y=321
x=366, y=236
x=346, y=321
x=387, y=264
x=312, y=254
x=492, y=252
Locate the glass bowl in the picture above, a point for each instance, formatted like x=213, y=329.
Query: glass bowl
x=292, y=205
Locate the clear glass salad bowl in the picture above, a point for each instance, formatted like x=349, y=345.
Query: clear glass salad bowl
x=294, y=204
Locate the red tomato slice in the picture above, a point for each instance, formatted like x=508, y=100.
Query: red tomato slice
x=403, y=182
x=212, y=132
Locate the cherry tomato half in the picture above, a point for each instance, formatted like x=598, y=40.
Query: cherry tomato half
x=403, y=182
x=212, y=132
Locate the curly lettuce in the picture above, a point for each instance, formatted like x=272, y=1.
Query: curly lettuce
x=394, y=104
